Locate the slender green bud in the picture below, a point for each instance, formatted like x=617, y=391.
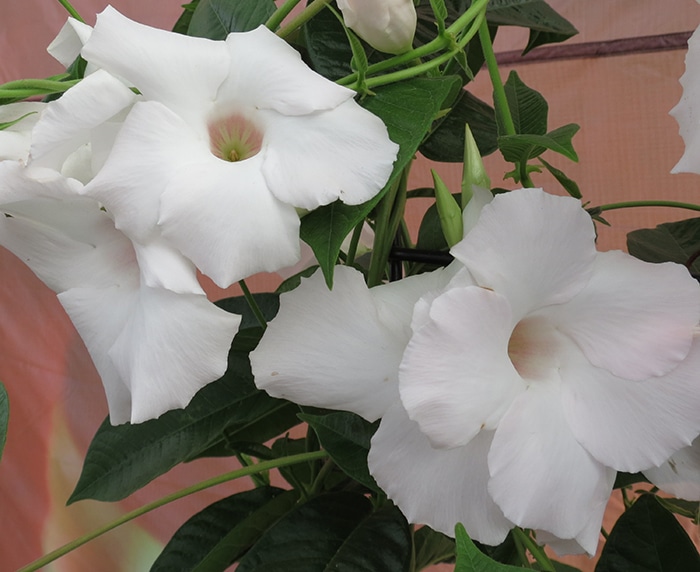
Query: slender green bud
x=449, y=212
x=473, y=171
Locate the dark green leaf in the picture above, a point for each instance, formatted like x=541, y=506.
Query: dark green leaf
x=183, y=22
x=520, y=148
x=293, y=281
x=432, y=547
x=471, y=559
x=627, y=479
x=527, y=107
x=408, y=109
x=446, y=142
x=570, y=186
x=648, y=538
x=669, y=242
x=216, y=19
x=682, y=507
x=327, y=46
x=4, y=416
x=331, y=532
x=295, y=475
x=215, y=537
x=268, y=303
x=122, y=459
x=346, y=437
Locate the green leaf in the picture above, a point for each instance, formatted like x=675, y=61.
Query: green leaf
x=682, y=507
x=668, y=242
x=521, y=148
x=408, y=109
x=295, y=475
x=327, y=47
x=446, y=142
x=432, y=547
x=471, y=559
x=346, y=437
x=122, y=459
x=648, y=538
x=4, y=416
x=331, y=532
x=216, y=19
x=269, y=304
x=569, y=186
x=215, y=537
x=545, y=24
x=527, y=107
x=183, y=22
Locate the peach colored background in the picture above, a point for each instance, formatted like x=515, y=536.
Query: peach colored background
x=627, y=146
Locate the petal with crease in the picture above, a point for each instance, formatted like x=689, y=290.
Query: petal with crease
x=437, y=487
x=680, y=474
x=455, y=377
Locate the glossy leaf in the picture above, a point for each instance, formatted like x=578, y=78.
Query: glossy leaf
x=268, y=303
x=446, y=142
x=471, y=559
x=333, y=531
x=215, y=537
x=432, y=547
x=648, y=538
x=569, y=185
x=327, y=47
x=408, y=109
x=4, y=416
x=122, y=459
x=527, y=107
x=520, y=148
x=183, y=22
x=346, y=437
x=216, y=19
x=669, y=242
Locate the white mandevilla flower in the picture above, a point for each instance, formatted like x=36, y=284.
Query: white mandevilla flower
x=387, y=25
x=154, y=337
x=229, y=139
x=537, y=371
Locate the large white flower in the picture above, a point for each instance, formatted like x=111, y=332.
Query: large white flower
x=387, y=25
x=154, y=337
x=540, y=369
x=229, y=139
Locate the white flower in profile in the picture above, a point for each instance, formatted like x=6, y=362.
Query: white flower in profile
x=540, y=369
x=387, y=25
x=687, y=111
x=230, y=138
x=153, y=336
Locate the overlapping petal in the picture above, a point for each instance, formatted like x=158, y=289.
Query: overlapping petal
x=438, y=487
x=633, y=318
x=535, y=249
x=15, y=140
x=679, y=475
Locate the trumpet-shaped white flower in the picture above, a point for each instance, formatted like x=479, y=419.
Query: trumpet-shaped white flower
x=230, y=137
x=387, y=25
x=536, y=372
x=153, y=336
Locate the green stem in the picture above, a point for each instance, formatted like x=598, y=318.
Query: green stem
x=534, y=549
x=354, y=241
x=629, y=204
x=304, y=16
x=72, y=11
x=318, y=481
x=237, y=474
x=499, y=93
x=280, y=14
x=253, y=304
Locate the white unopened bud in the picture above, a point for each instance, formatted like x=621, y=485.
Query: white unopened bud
x=387, y=25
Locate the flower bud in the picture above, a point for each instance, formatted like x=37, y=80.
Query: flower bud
x=387, y=25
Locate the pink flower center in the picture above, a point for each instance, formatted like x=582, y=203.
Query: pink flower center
x=535, y=348
x=234, y=138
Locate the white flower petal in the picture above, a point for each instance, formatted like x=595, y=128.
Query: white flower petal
x=686, y=112
x=586, y=541
x=344, y=153
x=171, y=346
x=183, y=72
x=16, y=139
x=222, y=216
x=540, y=476
x=437, y=487
x=633, y=318
x=631, y=425
x=535, y=249
x=66, y=124
x=455, y=377
x=330, y=348
x=66, y=46
x=470, y=216
x=163, y=267
x=680, y=474
x=387, y=25
x=267, y=73
x=152, y=146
